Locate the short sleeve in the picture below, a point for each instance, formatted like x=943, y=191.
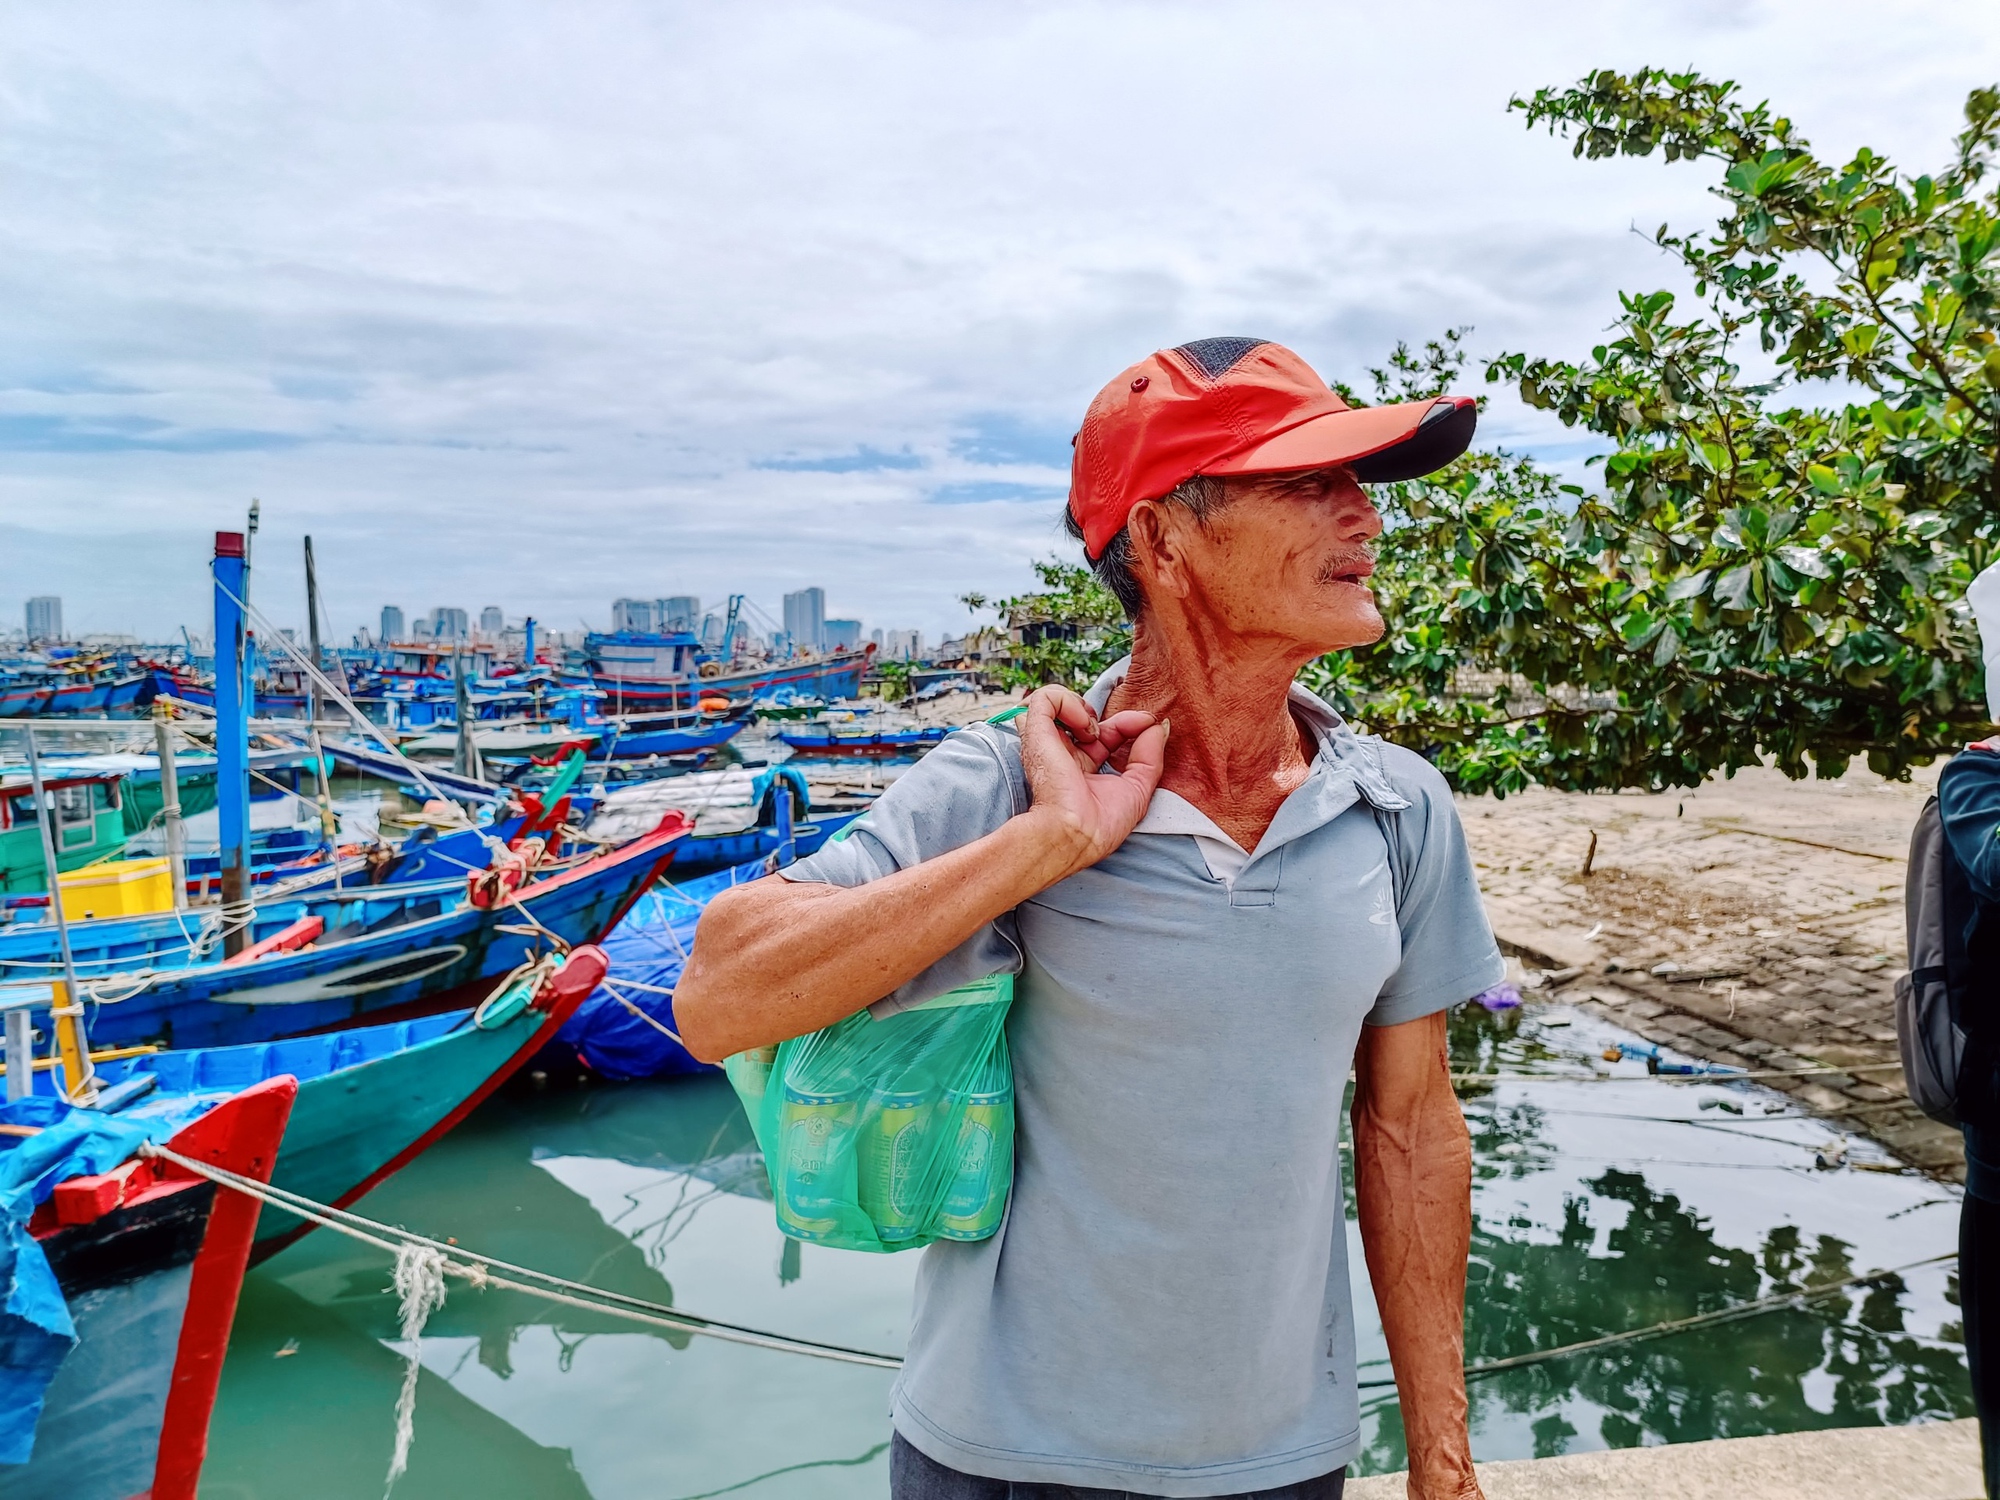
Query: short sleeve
x=1448, y=950
x=961, y=791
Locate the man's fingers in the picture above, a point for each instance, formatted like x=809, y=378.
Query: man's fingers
x=1147, y=758
x=1122, y=728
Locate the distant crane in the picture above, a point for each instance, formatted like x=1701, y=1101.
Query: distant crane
x=728, y=651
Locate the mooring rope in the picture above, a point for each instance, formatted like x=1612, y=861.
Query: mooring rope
x=480, y=1271
x=1681, y=1325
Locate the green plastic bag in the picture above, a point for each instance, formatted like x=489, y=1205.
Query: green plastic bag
x=888, y=1134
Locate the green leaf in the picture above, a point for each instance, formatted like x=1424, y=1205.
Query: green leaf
x=1688, y=585
x=1732, y=589
x=1805, y=560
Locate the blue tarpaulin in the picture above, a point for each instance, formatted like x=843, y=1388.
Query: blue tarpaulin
x=36, y=1332
x=650, y=946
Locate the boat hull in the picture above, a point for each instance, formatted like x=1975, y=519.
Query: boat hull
x=835, y=677
x=891, y=742
x=151, y=1286
x=630, y=746
x=432, y=951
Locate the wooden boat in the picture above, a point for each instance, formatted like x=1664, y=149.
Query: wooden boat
x=841, y=739
x=336, y=958
x=149, y=1260
x=836, y=676
x=21, y=698
x=370, y=1099
x=633, y=737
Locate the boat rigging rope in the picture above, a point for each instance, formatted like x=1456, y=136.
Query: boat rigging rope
x=273, y=634
x=484, y=1271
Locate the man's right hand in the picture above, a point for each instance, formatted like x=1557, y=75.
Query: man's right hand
x=1064, y=745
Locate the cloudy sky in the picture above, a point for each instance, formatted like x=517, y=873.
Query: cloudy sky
x=538, y=305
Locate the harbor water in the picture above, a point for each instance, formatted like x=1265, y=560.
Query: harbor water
x=1606, y=1200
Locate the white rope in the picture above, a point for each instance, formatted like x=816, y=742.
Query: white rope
x=419, y=1283
x=479, y=1271
x=659, y=1026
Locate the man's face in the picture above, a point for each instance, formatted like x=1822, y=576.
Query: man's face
x=1289, y=556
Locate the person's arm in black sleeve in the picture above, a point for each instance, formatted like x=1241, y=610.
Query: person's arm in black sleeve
x=1969, y=804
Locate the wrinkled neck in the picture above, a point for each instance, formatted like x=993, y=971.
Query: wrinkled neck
x=1236, y=751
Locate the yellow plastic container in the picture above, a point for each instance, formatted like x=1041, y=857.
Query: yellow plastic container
x=119, y=888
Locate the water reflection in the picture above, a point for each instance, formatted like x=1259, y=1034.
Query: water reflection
x=1624, y=1250
x=1600, y=1207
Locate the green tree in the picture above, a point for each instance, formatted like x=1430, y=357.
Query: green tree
x=1069, y=630
x=1755, y=573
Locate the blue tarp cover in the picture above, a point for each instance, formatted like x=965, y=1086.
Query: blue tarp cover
x=35, y=1328
x=651, y=946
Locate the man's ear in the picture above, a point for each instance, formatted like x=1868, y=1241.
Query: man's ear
x=1159, y=548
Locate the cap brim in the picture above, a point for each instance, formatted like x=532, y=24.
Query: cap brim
x=1380, y=443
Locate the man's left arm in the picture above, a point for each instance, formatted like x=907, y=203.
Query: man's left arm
x=1413, y=1183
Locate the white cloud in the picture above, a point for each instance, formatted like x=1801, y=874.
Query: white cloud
x=513, y=304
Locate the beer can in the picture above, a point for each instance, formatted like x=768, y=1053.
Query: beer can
x=750, y=1072
x=816, y=1142
x=977, y=1196
x=892, y=1155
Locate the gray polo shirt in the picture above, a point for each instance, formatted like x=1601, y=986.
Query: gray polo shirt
x=1165, y=1308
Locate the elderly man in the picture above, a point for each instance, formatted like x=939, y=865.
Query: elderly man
x=1218, y=899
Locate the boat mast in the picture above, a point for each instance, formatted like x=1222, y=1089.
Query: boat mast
x=329, y=826
x=231, y=570
x=72, y=1041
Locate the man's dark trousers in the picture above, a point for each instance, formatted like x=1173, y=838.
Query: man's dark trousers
x=916, y=1476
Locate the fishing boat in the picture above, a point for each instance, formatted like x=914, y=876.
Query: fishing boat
x=830, y=738
x=125, y=1274
x=22, y=698
x=641, y=672
x=338, y=958
x=634, y=736
x=371, y=1098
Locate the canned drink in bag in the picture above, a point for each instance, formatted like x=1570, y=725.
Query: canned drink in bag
x=978, y=1193
x=891, y=1160
x=750, y=1072
x=816, y=1132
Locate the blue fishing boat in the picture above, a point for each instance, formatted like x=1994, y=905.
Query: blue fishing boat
x=843, y=739
x=335, y=958
x=23, y=697
x=371, y=1098
x=636, y=736
x=124, y=1273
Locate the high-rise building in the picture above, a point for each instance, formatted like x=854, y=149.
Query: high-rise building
x=676, y=612
x=903, y=645
x=421, y=630
x=712, y=627
x=45, y=618
x=448, y=624
x=840, y=635
x=491, y=620
x=805, y=618
x=635, y=615
x=875, y=638
x=392, y=623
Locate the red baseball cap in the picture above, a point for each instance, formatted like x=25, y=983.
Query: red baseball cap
x=1241, y=406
